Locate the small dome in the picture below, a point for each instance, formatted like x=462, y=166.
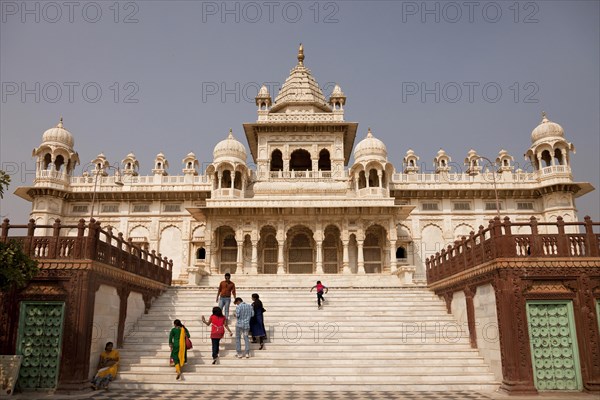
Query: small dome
x=59, y=134
x=263, y=92
x=337, y=92
x=369, y=148
x=547, y=129
x=230, y=148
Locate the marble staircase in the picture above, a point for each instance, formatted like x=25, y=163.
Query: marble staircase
x=366, y=337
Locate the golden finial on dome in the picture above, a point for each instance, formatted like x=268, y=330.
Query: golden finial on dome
x=369, y=134
x=544, y=116
x=230, y=134
x=60, y=124
x=301, y=55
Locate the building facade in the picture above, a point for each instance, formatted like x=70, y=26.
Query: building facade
x=303, y=207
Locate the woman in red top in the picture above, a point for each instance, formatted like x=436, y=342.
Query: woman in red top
x=218, y=325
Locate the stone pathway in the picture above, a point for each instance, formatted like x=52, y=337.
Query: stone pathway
x=287, y=395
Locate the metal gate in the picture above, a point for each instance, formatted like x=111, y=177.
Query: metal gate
x=553, y=345
x=39, y=342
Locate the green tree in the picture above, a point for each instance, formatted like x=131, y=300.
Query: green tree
x=16, y=267
x=4, y=181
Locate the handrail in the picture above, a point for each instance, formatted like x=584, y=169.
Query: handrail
x=499, y=241
x=98, y=244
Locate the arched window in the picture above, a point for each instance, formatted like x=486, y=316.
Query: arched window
x=324, y=160
x=158, y=165
x=276, y=161
x=300, y=161
x=201, y=254
x=400, y=252
x=47, y=160
x=411, y=163
x=59, y=162
x=558, y=157
x=546, y=158
x=362, y=180
x=226, y=179
x=373, y=179
x=237, y=183
x=189, y=165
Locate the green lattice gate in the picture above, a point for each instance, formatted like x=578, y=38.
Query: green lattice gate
x=553, y=345
x=39, y=342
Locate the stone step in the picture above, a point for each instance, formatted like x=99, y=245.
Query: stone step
x=309, y=345
x=332, y=339
x=207, y=368
x=270, y=280
x=266, y=358
x=185, y=385
x=382, y=338
x=422, y=330
x=254, y=376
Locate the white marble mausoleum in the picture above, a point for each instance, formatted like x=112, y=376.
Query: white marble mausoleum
x=304, y=207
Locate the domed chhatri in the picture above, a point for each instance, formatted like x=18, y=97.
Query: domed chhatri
x=230, y=148
x=59, y=134
x=547, y=129
x=370, y=148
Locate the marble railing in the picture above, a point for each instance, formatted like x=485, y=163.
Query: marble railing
x=203, y=182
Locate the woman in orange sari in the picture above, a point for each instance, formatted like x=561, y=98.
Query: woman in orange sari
x=177, y=344
x=107, y=367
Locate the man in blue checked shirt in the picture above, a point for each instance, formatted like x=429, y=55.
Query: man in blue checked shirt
x=243, y=312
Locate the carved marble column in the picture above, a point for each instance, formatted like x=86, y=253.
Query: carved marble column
x=361, y=257
x=319, y=257
x=240, y=257
x=345, y=258
x=280, y=243
x=280, y=269
x=393, y=266
x=254, y=260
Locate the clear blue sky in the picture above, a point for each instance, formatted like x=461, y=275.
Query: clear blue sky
x=170, y=57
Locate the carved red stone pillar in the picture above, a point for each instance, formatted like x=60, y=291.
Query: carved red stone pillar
x=588, y=337
x=5, y=227
x=77, y=333
x=469, y=294
x=517, y=369
x=591, y=240
x=123, y=293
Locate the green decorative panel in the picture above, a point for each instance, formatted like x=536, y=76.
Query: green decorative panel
x=553, y=345
x=39, y=342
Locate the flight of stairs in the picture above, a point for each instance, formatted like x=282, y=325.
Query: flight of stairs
x=378, y=336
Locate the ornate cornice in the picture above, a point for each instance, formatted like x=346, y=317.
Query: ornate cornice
x=104, y=270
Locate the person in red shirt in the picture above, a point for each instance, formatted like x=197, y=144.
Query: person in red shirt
x=218, y=325
x=320, y=290
x=226, y=290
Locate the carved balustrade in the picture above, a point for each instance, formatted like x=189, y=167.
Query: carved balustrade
x=499, y=240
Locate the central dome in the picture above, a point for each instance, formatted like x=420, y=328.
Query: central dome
x=60, y=135
x=300, y=89
x=229, y=149
x=370, y=148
